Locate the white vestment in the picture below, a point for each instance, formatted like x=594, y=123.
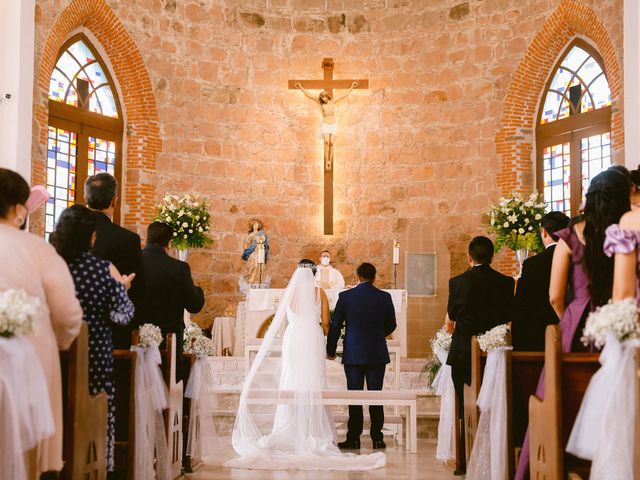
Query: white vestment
x=329, y=277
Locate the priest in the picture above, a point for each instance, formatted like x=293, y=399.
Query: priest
x=327, y=276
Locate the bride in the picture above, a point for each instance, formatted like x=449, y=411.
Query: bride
x=299, y=434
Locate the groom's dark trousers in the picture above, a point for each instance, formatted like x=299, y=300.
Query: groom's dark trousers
x=369, y=317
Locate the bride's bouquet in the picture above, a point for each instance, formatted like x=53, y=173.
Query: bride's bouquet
x=619, y=318
x=494, y=338
x=18, y=313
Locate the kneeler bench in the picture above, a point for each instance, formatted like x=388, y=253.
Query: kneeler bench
x=397, y=398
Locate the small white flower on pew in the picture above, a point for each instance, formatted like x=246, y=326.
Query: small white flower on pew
x=494, y=338
x=18, y=313
x=619, y=318
x=150, y=336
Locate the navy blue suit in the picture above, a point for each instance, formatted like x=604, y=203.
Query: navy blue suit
x=369, y=317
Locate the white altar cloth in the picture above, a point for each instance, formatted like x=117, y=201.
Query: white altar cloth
x=262, y=303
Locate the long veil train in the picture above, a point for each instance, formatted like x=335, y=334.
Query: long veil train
x=298, y=434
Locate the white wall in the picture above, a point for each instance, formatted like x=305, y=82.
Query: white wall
x=631, y=90
x=17, y=30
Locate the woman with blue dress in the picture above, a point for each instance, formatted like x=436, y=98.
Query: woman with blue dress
x=102, y=293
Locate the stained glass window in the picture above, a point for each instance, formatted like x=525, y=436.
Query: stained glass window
x=61, y=173
x=557, y=177
x=595, y=154
x=80, y=145
x=578, y=86
x=79, y=79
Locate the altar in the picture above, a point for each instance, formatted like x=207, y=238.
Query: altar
x=260, y=304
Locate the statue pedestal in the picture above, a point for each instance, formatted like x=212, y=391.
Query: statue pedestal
x=261, y=304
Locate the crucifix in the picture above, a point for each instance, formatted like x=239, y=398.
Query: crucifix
x=329, y=126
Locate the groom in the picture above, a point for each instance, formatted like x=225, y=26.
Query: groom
x=369, y=317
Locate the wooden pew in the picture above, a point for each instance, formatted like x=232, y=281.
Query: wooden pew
x=173, y=414
x=124, y=373
x=471, y=392
x=85, y=416
x=567, y=376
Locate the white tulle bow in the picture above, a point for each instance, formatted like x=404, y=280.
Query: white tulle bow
x=202, y=429
x=604, y=428
x=443, y=386
x=150, y=400
x=489, y=453
x=25, y=409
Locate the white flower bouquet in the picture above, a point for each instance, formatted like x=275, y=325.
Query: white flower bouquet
x=188, y=217
x=516, y=222
x=441, y=341
x=202, y=347
x=150, y=335
x=620, y=318
x=18, y=313
x=191, y=331
x=494, y=338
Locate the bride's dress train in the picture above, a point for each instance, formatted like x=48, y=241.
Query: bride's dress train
x=297, y=435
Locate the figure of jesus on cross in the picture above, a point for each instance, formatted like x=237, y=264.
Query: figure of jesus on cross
x=326, y=102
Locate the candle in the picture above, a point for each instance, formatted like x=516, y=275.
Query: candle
x=396, y=253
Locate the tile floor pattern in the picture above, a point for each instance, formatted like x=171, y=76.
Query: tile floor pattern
x=401, y=465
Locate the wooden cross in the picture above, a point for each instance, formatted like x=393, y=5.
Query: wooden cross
x=328, y=84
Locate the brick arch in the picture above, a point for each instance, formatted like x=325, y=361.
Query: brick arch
x=142, y=142
x=516, y=137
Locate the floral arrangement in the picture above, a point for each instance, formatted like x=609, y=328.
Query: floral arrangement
x=191, y=331
x=18, y=313
x=202, y=347
x=494, y=338
x=441, y=341
x=516, y=222
x=188, y=217
x=620, y=318
x=150, y=335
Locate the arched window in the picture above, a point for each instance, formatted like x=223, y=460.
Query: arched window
x=85, y=126
x=574, y=128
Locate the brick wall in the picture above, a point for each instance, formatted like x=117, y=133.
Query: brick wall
x=446, y=126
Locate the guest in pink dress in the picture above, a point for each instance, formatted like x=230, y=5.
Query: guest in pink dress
x=579, y=263
x=31, y=264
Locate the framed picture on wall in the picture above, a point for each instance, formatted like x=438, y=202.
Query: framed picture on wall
x=421, y=274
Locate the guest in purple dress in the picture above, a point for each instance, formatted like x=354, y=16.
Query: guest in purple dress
x=579, y=263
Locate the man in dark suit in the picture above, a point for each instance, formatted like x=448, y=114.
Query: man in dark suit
x=369, y=317
x=168, y=282
x=116, y=244
x=533, y=312
x=479, y=299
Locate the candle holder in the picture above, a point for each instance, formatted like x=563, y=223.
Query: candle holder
x=396, y=261
x=395, y=276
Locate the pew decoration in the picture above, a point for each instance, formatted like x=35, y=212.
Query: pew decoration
x=202, y=429
x=488, y=458
x=442, y=385
x=150, y=400
x=604, y=428
x=191, y=332
x=25, y=413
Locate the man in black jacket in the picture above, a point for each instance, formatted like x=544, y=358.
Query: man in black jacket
x=533, y=312
x=479, y=300
x=168, y=286
x=117, y=245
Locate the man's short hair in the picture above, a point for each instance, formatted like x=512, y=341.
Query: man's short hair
x=481, y=250
x=100, y=190
x=366, y=272
x=325, y=251
x=159, y=233
x=553, y=222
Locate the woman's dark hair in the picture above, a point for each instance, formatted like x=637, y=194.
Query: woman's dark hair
x=306, y=263
x=606, y=201
x=14, y=190
x=635, y=177
x=72, y=236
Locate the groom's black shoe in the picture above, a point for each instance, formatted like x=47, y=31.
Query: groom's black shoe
x=349, y=445
x=379, y=445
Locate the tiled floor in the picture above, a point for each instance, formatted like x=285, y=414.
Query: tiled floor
x=401, y=465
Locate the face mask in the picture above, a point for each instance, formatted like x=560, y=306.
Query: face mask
x=325, y=261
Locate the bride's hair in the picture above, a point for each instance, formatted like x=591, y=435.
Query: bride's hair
x=306, y=263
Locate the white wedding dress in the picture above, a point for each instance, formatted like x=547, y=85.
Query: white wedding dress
x=299, y=434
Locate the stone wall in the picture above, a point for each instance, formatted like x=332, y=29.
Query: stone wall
x=417, y=148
